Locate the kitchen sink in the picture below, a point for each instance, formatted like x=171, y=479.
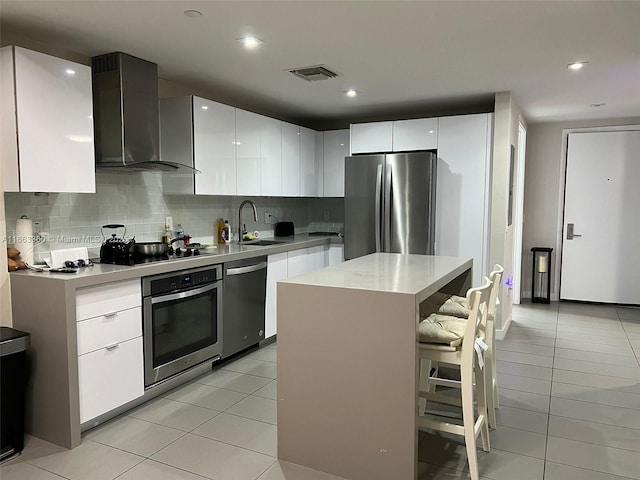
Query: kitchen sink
x=262, y=243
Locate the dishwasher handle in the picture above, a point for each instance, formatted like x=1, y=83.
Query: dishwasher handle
x=247, y=269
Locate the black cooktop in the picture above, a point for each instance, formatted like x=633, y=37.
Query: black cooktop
x=325, y=234
x=177, y=254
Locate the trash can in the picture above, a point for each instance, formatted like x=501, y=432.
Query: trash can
x=13, y=384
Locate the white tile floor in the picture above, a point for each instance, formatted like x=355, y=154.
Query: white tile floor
x=569, y=381
x=569, y=378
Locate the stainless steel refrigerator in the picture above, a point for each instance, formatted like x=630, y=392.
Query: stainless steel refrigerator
x=389, y=202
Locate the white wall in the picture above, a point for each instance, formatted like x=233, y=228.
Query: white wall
x=507, y=117
x=543, y=191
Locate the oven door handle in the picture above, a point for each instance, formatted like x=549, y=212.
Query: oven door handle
x=187, y=294
x=247, y=269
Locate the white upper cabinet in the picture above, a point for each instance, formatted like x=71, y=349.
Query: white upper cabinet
x=319, y=164
x=290, y=160
x=47, y=123
x=371, y=137
x=308, y=187
x=258, y=154
x=214, y=134
x=336, y=147
x=417, y=134
x=396, y=136
x=271, y=158
x=462, y=199
x=249, y=128
x=201, y=134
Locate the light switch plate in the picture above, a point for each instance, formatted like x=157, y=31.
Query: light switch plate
x=267, y=217
x=168, y=221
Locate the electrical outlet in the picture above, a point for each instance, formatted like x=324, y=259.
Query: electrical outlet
x=37, y=228
x=325, y=215
x=267, y=217
x=168, y=222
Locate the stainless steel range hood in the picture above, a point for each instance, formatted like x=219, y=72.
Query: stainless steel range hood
x=125, y=115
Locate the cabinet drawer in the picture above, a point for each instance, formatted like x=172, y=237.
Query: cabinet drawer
x=110, y=378
x=109, y=298
x=105, y=330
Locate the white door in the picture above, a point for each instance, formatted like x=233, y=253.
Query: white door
x=601, y=263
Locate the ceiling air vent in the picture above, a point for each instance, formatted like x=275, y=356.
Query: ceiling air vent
x=314, y=73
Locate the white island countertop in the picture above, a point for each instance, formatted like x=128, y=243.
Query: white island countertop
x=348, y=362
x=419, y=275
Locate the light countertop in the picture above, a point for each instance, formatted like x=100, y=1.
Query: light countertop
x=104, y=273
x=419, y=275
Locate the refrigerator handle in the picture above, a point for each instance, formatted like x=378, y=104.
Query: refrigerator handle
x=387, y=207
x=378, y=214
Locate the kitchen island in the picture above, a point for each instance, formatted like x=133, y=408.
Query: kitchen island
x=348, y=362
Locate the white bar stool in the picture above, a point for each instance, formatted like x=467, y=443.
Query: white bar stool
x=457, y=306
x=469, y=357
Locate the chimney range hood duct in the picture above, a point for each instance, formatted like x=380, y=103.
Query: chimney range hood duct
x=125, y=115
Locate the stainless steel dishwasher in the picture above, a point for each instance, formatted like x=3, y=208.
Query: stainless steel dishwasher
x=244, y=292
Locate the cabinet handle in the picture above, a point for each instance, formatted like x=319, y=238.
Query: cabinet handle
x=111, y=347
x=110, y=315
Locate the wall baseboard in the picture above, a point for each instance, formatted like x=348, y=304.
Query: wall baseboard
x=502, y=332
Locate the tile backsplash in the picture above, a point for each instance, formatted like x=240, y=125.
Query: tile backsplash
x=136, y=200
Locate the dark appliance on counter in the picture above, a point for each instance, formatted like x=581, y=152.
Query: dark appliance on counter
x=389, y=204
x=245, y=287
x=283, y=229
x=115, y=249
x=182, y=321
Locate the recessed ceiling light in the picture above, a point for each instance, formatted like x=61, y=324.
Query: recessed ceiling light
x=351, y=93
x=596, y=105
x=204, y=107
x=250, y=41
x=576, y=65
x=68, y=71
x=193, y=13
x=430, y=131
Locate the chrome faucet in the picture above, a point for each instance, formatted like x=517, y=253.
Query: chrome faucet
x=255, y=218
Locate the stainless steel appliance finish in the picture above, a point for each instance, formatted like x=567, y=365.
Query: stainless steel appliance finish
x=125, y=115
x=182, y=321
x=150, y=249
x=241, y=230
x=245, y=286
x=390, y=204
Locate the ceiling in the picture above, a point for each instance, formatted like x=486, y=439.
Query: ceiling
x=405, y=58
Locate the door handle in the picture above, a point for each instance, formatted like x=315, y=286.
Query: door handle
x=247, y=269
x=378, y=232
x=570, y=234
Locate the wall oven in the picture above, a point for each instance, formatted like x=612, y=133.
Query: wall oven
x=182, y=321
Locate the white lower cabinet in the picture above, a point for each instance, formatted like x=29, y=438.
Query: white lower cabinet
x=335, y=254
x=107, y=330
x=276, y=270
x=305, y=260
x=290, y=264
x=316, y=258
x=110, y=352
x=110, y=377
